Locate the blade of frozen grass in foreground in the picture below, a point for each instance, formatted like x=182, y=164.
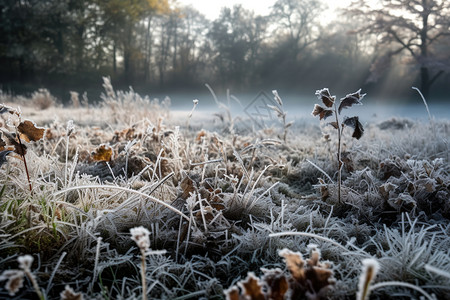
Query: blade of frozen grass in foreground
x=424, y=102
x=437, y=271
x=312, y=235
x=402, y=284
x=125, y=190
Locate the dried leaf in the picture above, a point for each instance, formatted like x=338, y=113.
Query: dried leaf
x=2, y=143
x=277, y=282
x=30, y=132
x=70, y=294
x=200, y=135
x=323, y=189
x=350, y=100
x=5, y=109
x=325, y=96
x=102, y=153
x=19, y=148
x=334, y=124
x=3, y=155
x=322, y=112
x=232, y=293
x=289, y=124
x=15, y=280
x=252, y=288
x=295, y=263
x=356, y=125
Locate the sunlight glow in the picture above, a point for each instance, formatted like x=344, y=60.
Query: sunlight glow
x=211, y=9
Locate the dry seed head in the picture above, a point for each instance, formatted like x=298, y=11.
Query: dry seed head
x=25, y=262
x=141, y=236
x=277, y=97
x=70, y=294
x=15, y=280
x=370, y=269
x=70, y=127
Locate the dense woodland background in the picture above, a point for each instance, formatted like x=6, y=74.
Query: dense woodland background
x=159, y=45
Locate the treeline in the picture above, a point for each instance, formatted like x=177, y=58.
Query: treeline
x=155, y=44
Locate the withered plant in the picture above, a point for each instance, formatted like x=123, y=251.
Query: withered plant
x=331, y=108
x=281, y=114
x=13, y=141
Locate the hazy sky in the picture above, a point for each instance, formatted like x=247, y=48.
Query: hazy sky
x=211, y=8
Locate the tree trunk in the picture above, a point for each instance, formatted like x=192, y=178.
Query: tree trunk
x=425, y=81
x=424, y=72
x=148, y=52
x=114, y=58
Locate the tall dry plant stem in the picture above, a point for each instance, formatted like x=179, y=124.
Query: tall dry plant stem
x=143, y=269
x=26, y=167
x=339, y=133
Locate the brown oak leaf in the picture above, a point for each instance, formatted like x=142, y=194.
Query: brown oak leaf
x=102, y=153
x=30, y=132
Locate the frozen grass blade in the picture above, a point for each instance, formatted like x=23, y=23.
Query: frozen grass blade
x=402, y=284
x=437, y=271
x=424, y=102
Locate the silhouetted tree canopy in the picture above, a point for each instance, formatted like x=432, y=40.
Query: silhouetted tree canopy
x=71, y=44
x=413, y=27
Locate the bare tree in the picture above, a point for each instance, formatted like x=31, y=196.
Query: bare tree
x=411, y=27
x=296, y=20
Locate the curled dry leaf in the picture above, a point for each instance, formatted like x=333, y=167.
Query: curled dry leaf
x=325, y=96
x=70, y=294
x=30, y=132
x=350, y=100
x=294, y=263
x=334, y=124
x=321, y=112
x=356, y=125
x=277, y=283
x=102, y=153
x=232, y=293
x=19, y=148
x=253, y=288
x=312, y=278
x=2, y=143
x=5, y=109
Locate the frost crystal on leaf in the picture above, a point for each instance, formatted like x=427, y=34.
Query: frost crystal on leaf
x=350, y=100
x=325, y=96
x=322, y=112
x=356, y=125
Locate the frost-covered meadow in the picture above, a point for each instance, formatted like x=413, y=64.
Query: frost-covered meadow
x=242, y=211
